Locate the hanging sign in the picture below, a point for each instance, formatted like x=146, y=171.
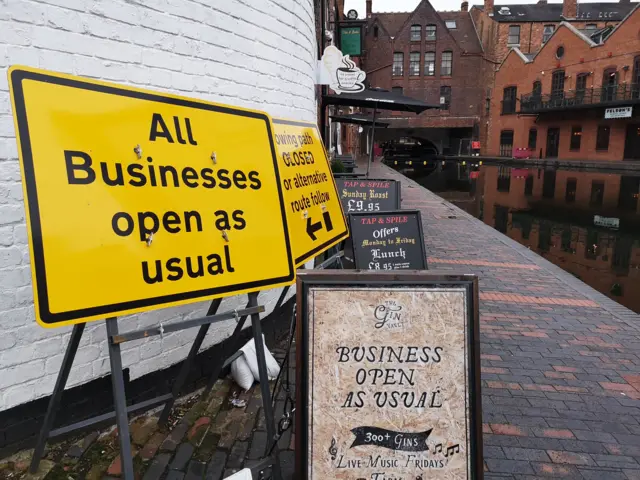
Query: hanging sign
x=394, y=392
x=368, y=195
x=312, y=204
x=340, y=72
x=351, y=40
x=388, y=240
x=618, y=112
x=137, y=199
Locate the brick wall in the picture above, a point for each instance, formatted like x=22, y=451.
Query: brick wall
x=618, y=51
x=466, y=92
x=251, y=53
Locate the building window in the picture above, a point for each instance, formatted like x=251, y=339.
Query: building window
x=560, y=52
x=609, y=85
x=414, y=64
x=487, y=106
x=398, y=64
x=597, y=193
x=528, y=186
x=397, y=90
x=416, y=31
x=509, y=100
x=504, y=179
x=506, y=143
x=533, y=139
x=451, y=24
x=514, y=35
x=581, y=86
x=537, y=89
x=591, y=27
x=576, y=138
x=430, y=33
x=375, y=32
x=548, y=31
x=570, y=192
x=446, y=68
x=602, y=138
x=445, y=97
x=549, y=184
x=430, y=64
x=557, y=85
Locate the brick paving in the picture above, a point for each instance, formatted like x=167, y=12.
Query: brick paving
x=560, y=361
x=560, y=378
x=207, y=438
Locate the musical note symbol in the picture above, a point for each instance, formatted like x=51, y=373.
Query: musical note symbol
x=438, y=449
x=452, y=450
x=333, y=450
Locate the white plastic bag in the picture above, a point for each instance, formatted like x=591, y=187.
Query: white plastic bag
x=244, y=474
x=249, y=350
x=241, y=373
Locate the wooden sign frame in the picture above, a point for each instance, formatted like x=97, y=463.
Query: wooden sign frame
x=310, y=283
x=353, y=216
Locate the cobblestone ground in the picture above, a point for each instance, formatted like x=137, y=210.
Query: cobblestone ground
x=560, y=377
x=207, y=438
x=560, y=361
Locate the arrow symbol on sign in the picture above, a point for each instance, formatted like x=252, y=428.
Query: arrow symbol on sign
x=312, y=228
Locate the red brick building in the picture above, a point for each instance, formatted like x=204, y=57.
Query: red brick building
x=433, y=56
x=528, y=27
x=576, y=98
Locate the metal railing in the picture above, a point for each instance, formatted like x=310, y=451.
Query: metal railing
x=597, y=96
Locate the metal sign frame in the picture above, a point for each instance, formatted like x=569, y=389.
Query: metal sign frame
x=387, y=280
x=115, y=340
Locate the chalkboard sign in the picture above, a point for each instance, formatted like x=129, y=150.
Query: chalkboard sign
x=387, y=240
x=388, y=383
x=368, y=195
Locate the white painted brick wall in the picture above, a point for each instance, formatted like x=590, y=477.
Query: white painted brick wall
x=256, y=54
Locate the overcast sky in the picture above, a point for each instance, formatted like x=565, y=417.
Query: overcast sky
x=441, y=5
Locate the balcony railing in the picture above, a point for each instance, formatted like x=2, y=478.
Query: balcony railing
x=574, y=99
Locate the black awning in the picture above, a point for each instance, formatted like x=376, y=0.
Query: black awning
x=380, y=99
x=358, y=119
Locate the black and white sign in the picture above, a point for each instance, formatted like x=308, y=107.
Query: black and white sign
x=618, y=112
x=368, y=195
x=388, y=240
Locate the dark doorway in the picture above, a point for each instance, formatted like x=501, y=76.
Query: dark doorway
x=628, y=198
x=632, y=142
x=549, y=184
x=609, y=85
x=502, y=218
x=553, y=142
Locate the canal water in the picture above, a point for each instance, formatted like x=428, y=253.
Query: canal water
x=586, y=222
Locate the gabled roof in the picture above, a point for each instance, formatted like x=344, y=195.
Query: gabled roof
x=391, y=22
x=465, y=34
x=552, y=12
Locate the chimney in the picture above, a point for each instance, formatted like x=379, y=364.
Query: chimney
x=625, y=1
x=542, y=2
x=570, y=9
x=369, y=8
x=464, y=7
x=488, y=7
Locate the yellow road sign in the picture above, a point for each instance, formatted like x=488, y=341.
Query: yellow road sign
x=137, y=199
x=314, y=212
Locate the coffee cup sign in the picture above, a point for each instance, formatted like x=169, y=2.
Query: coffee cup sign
x=344, y=74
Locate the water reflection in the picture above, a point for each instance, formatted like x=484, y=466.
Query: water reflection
x=585, y=222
